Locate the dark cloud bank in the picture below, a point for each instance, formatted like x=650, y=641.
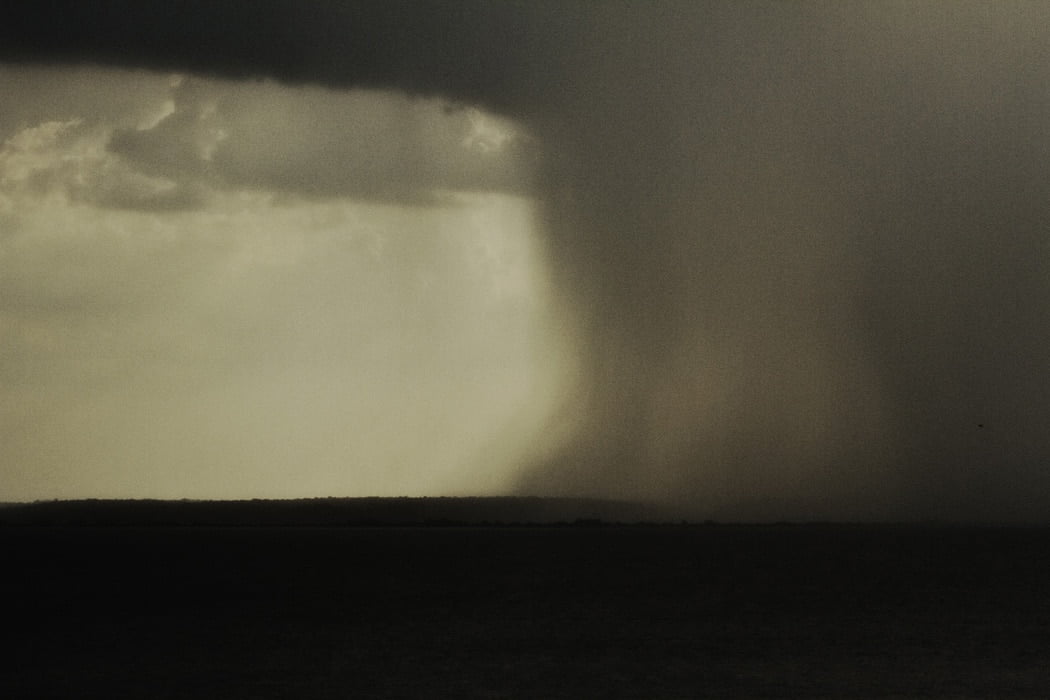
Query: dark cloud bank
x=807, y=242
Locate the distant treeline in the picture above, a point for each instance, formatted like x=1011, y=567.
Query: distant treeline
x=330, y=512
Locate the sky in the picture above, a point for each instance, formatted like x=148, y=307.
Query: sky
x=217, y=289
x=754, y=260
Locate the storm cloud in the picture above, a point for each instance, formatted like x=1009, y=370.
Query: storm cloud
x=321, y=142
x=803, y=245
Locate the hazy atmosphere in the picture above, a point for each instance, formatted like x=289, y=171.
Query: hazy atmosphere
x=757, y=260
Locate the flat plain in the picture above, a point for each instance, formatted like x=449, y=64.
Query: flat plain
x=721, y=611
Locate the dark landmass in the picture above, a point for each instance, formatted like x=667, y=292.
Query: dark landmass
x=815, y=611
x=586, y=598
x=331, y=512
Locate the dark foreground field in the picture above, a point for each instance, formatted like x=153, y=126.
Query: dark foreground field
x=554, y=612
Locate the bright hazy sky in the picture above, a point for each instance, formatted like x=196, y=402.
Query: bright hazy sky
x=219, y=289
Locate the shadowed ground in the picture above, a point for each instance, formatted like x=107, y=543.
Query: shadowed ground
x=627, y=612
